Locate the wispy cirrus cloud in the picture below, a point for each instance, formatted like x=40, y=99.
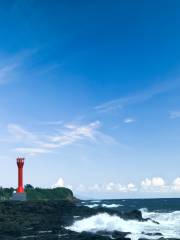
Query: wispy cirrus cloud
x=7, y=72
x=129, y=120
x=12, y=66
x=72, y=133
x=174, y=114
x=19, y=133
x=138, y=97
x=35, y=143
x=30, y=150
x=50, y=122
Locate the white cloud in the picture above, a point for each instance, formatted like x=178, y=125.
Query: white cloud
x=110, y=187
x=121, y=188
x=59, y=183
x=131, y=187
x=150, y=185
x=176, y=184
x=158, y=182
x=11, y=67
x=143, y=96
x=117, y=187
x=19, y=133
x=174, y=114
x=155, y=184
x=129, y=120
x=146, y=183
x=30, y=150
x=73, y=133
x=36, y=143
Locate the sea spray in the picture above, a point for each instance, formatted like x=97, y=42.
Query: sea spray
x=168, y=225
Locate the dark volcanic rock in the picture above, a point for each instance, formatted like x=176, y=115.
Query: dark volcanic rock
x=134, y=215
x=152, y=234
x=46, y=220
x=117, y=234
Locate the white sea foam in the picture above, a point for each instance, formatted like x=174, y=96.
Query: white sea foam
x=103, y=205
x=92, y=205
x=169, y=225
x=95, y=201
x=111, y=205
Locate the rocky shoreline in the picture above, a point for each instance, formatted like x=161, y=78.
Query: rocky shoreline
x=47, y=220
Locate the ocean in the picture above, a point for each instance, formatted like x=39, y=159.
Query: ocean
x=163, y=214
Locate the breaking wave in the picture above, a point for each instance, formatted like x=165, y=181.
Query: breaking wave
x=92, y=205
x=103, y=205
x=168, y=225
x=111, y=205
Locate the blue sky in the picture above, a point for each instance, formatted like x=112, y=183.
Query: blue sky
x=90, y=95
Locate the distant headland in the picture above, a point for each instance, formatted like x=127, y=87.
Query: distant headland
x=37, y=194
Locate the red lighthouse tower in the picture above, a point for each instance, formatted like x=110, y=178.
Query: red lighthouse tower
x=20, y=164
x=20, y=194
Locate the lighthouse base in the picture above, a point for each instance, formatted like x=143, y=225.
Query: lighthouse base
x=19, y=196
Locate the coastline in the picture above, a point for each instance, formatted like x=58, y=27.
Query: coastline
x=64, y=219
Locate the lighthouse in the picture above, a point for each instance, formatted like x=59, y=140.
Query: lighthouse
x=20, y=194
x=20, y=164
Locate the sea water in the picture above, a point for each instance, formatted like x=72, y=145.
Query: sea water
x=164, y=211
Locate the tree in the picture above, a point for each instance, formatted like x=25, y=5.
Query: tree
x=28, y=187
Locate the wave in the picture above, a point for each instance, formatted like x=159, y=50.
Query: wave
x=168, y=225
x=103, y=205
x=92, y=205
x=168, y=222
x=111, y=205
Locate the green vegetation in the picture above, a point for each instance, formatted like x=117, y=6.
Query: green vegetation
x=6, y=193
x=36, y=194
x=49, y=194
